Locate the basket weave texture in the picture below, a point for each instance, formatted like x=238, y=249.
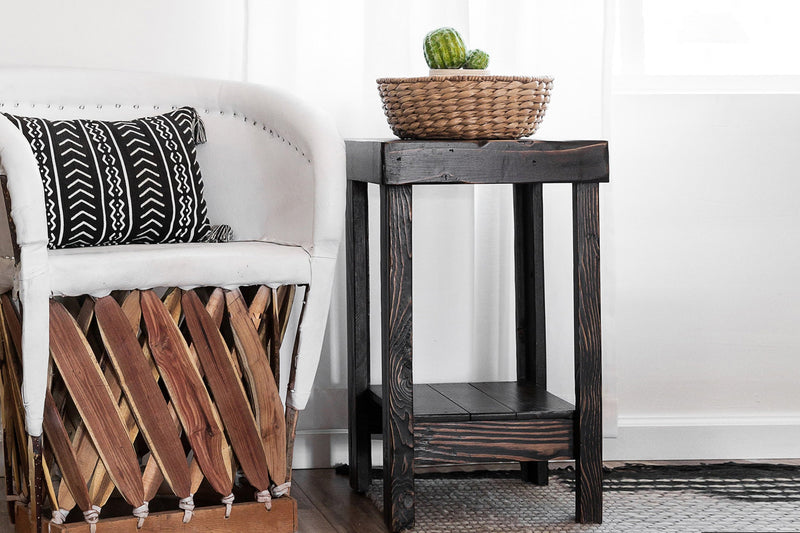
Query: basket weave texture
x=465, y=107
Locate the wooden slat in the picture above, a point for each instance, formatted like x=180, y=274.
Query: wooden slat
x=281, y=303
x=292, y=414
x=82, y=375
x=91, y=467
x=13, y=329
x=228, y=392
x=51, y=492
x=133, y=312
x=274, y=343
x=101, y=485
x=85, y=452
x=263, y=390
x=195, y=410
x=14, y=477
x=144, y=397
x=65, y=455
x=260, y=303
x=89, y=463
x=172, y=302
x=527, y=400
x=216, y=308
x=286, y=294
x=512, y=440
x=429, y=405
x=85, y=315
x=152, y=478
x=479, y=405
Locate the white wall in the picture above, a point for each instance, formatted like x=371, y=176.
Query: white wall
x=699, y=223
x=200, y=37
x=707, y=223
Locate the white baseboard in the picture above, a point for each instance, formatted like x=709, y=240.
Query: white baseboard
x=638, y=439
x=700, y=438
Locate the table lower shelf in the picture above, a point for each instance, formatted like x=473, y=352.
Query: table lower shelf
x=484, y=422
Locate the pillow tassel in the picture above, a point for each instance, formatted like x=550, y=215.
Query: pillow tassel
x=199, y=130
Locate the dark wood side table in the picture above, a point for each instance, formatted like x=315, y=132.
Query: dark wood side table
x=469, y=422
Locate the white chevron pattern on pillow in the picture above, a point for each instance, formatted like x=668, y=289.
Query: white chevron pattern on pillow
x=124, y=182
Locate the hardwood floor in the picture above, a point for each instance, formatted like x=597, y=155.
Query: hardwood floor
x=327, y=505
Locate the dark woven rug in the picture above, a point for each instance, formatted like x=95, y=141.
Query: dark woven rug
x=730, y=497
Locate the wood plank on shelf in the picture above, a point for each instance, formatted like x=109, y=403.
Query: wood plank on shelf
x=525, y=161
x=524, y=401
x=477, y=403
x=430, y=405
x=493, y=440
x=364, y=161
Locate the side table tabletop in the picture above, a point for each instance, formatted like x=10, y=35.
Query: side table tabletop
x=473, y=422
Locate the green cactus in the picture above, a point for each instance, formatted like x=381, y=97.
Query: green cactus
x=444, y=48
x=477, y=59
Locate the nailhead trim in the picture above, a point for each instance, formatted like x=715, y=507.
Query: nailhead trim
x=206, y=111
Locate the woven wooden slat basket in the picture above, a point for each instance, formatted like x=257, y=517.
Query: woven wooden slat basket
x=465, y=107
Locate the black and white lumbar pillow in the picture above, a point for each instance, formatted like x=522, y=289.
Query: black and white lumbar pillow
x=124, y=182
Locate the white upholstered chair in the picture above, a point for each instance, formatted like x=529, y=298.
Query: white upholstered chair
x=273, y=170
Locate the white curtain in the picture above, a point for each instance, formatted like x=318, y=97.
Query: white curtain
x=331, y=53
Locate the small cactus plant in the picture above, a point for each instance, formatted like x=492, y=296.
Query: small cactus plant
x=444, y=48
x=476, y=59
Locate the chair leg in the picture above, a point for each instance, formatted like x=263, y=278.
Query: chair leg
x=291, y=432
x=38, y=480
x=291, y=412
x=9, y=475
x=535, y=472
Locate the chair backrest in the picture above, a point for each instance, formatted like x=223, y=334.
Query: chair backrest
x=258, y=178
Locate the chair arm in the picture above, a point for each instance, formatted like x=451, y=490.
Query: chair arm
x=28, y=213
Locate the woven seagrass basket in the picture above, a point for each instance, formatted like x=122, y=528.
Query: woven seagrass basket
x=465, y=107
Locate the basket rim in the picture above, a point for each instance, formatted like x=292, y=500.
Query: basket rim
x=462, y=77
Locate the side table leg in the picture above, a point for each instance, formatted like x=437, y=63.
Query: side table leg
x=358, y=335
x=396, y=329
x=529, y=268
x=588, y=406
